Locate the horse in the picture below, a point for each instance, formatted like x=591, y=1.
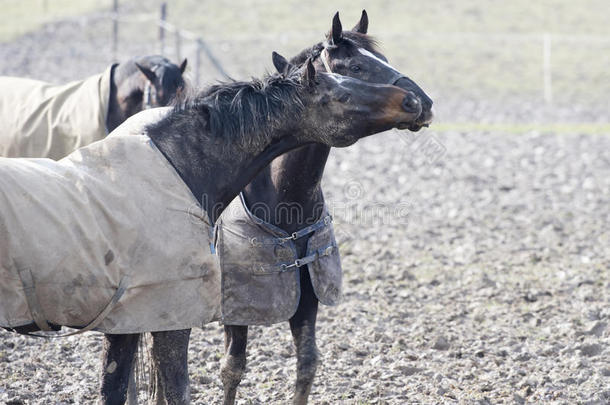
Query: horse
x=294, y=180
x=196, y=158
x=54, y=120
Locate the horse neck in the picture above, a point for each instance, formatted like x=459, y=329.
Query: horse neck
x=292, y=180
x=124, y=81
x=216, y=172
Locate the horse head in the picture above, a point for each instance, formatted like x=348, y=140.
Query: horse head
x=142, y=83
x=339, y=109
x=163, y=80
x=354, y=53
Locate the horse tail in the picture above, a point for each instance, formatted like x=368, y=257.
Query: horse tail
x=142, y=381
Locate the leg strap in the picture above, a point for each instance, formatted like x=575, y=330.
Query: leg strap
x=39, y=318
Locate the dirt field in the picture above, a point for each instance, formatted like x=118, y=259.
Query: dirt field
x=476, y=262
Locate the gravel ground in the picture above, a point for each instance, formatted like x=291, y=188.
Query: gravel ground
x=476, y=268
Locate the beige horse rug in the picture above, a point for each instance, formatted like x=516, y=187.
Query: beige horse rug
x=261, y=269
x=39, y=119
x=109, y=238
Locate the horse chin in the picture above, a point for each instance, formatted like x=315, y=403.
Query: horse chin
x=411, y=126
x=416, y=127
x=420, y=122
x=404, y=125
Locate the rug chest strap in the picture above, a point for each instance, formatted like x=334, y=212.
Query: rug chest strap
x=326, y=251
x=310, y=229
x=41, y=321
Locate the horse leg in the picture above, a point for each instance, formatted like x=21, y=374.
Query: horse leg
x=303, y=328
x=117, y=356
x=234, y=365
x=169, y=356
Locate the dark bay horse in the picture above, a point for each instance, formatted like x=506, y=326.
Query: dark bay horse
x=141, y=83
x=293, y=180
x=220, y=141
x=55, y=120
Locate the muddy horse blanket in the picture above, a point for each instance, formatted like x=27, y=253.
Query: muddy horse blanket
x=39, y=119
x=109, y=235
x=260, y=266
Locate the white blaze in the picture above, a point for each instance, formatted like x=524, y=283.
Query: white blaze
x=371, y=55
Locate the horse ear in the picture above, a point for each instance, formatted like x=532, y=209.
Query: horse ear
x=336, y=29
x=150, y=75
x=363, y=25
x=183, y=66
x=309, y=73
x=280, y=63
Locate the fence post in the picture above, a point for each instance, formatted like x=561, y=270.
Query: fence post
x=198, y=60
x=546, y=68
x=115, y=29
x=163, y=18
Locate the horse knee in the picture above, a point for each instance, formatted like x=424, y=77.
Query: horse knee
x=232, y=370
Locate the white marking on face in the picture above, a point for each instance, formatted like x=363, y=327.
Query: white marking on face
x=371, y=55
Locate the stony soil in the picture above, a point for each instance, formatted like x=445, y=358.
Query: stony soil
x=476, y=268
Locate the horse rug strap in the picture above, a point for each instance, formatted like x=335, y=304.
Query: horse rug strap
x=260, y=266
x=39, y=119
x=41, y=322
x=109, y=238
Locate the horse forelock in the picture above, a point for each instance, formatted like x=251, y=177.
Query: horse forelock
x=358, y=40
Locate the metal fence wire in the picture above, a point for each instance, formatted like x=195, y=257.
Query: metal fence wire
x=195, y=44
x=533, y=63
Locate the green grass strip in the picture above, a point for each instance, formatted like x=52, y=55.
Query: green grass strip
x=556, y=128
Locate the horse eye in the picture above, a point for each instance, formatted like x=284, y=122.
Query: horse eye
x=355, y=68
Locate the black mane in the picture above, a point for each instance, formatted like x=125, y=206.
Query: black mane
x=351, y=41
x=246, y=113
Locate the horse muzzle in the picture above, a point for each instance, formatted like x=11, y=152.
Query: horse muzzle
x=412, y=105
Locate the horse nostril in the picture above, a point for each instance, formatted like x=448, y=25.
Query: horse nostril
x=411, y=104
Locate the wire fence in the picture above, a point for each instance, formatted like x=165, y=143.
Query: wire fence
x=165, y=30
x=175, y=41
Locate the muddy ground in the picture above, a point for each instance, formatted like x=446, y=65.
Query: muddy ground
x=476, y=266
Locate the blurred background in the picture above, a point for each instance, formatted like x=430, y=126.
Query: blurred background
x=493, y=64
x=476, y=252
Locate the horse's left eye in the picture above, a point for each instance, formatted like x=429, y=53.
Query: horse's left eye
x=355, y=68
